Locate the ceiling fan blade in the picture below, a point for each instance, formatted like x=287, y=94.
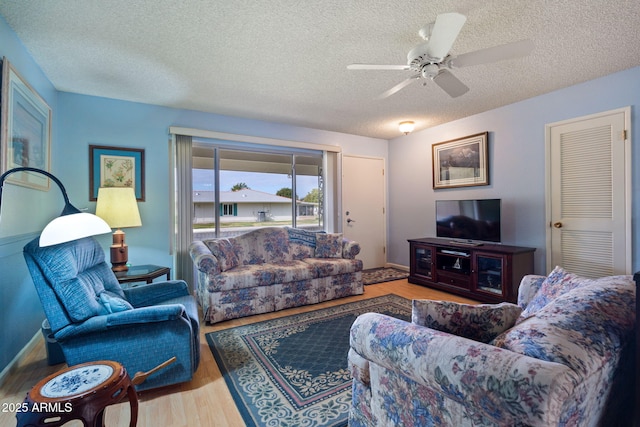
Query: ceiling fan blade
x=444, y=34
x=398, y=87
x=376, y=67
x=513, y=50
x=450, y=84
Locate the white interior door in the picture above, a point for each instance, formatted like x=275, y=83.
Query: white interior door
x=588, y=200
x=363, y=204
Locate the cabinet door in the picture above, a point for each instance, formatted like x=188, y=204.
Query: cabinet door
x=490, y=274
x=422, y=261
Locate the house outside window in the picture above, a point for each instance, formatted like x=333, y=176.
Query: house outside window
x=236, y=189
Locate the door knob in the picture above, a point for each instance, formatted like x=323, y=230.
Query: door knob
x=557, y=224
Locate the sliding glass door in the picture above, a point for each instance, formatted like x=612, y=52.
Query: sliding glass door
x=309, y=190
x=239, y=189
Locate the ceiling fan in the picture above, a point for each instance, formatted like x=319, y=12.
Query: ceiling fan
x=431, y=59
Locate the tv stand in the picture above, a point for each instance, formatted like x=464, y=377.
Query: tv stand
x=466, y=243
x=486, y=272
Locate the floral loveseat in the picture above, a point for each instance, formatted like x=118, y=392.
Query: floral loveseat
x=271, y=269
x=556, y=359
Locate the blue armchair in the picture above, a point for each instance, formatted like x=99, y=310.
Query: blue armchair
x=93, y=318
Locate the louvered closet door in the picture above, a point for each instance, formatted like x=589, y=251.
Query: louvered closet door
x=589, y=207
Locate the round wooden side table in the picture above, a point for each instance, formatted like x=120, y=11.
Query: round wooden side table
x=80, y=392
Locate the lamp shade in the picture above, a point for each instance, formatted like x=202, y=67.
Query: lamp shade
x=118, y=207
x=71, y=227
x=71, y=224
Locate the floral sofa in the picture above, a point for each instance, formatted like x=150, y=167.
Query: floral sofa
x=271, y=269
x=561, y=357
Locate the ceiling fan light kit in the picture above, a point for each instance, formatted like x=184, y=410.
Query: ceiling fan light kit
x=431, y=60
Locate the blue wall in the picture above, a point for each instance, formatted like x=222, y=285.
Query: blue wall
x=24, y=212
x=86, y=120
x=80, y=121
x=516, y=153
x=516, y=161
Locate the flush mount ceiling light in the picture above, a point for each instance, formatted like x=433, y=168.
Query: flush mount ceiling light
x=407, y=127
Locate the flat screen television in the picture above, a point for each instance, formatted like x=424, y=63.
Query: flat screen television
x=469, y=220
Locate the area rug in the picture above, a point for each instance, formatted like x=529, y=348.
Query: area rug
x=293, y=371
x=383, y=274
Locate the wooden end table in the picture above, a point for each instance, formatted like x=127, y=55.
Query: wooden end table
x=80, y=392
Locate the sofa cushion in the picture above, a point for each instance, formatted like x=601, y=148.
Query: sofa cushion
x=329, y=245
x=223, y=250
x=291, y=271
x=332, y=267
x=243, y=276
x=581, y=328
x=482, y=322
x=252, y=275
x=263, y=245
x=557, y=283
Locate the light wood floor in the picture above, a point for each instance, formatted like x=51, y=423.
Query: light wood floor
x=204, y=401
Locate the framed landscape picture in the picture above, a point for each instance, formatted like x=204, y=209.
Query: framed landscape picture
x=461, y=162
x=26, y=130
x=116, y=167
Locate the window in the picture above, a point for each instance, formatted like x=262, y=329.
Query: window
x=228, y=209
x=255, y=186
x=315, y=172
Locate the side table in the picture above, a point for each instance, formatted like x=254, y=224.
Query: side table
x=80, y=392
x=142, y=273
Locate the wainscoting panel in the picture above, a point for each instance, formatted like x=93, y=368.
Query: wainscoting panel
x=20, y=311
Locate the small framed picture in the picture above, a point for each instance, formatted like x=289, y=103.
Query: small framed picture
x=26, y=130
x=461, y=162
x=116, y=167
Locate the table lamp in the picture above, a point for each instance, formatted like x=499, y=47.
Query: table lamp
x=71, y=224
x=119, y=208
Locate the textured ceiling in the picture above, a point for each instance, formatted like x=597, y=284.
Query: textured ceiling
x=285, y=60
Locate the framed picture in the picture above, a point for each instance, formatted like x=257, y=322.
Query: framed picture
x=461, y=162
x=26, y=130
x=116, y=167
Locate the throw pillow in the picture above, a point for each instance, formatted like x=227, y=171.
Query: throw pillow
x=557, y=283
x=329, y=245
x=113, y=303
x=223, y=250
x=302, y=237
x=302, y=243
x=482, y=322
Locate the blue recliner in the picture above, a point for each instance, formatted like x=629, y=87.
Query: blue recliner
x=93, y=318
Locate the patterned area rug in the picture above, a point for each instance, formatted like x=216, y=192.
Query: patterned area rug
x=384, y=274
x=293, y=371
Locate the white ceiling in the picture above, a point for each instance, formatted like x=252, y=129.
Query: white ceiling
x=285, y=60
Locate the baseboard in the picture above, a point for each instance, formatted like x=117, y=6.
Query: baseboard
x=397, y=266
x=13, y=365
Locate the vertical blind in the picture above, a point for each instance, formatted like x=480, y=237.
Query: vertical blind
x=183, y=218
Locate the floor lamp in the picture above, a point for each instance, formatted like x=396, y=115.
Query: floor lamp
x=71, y=224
